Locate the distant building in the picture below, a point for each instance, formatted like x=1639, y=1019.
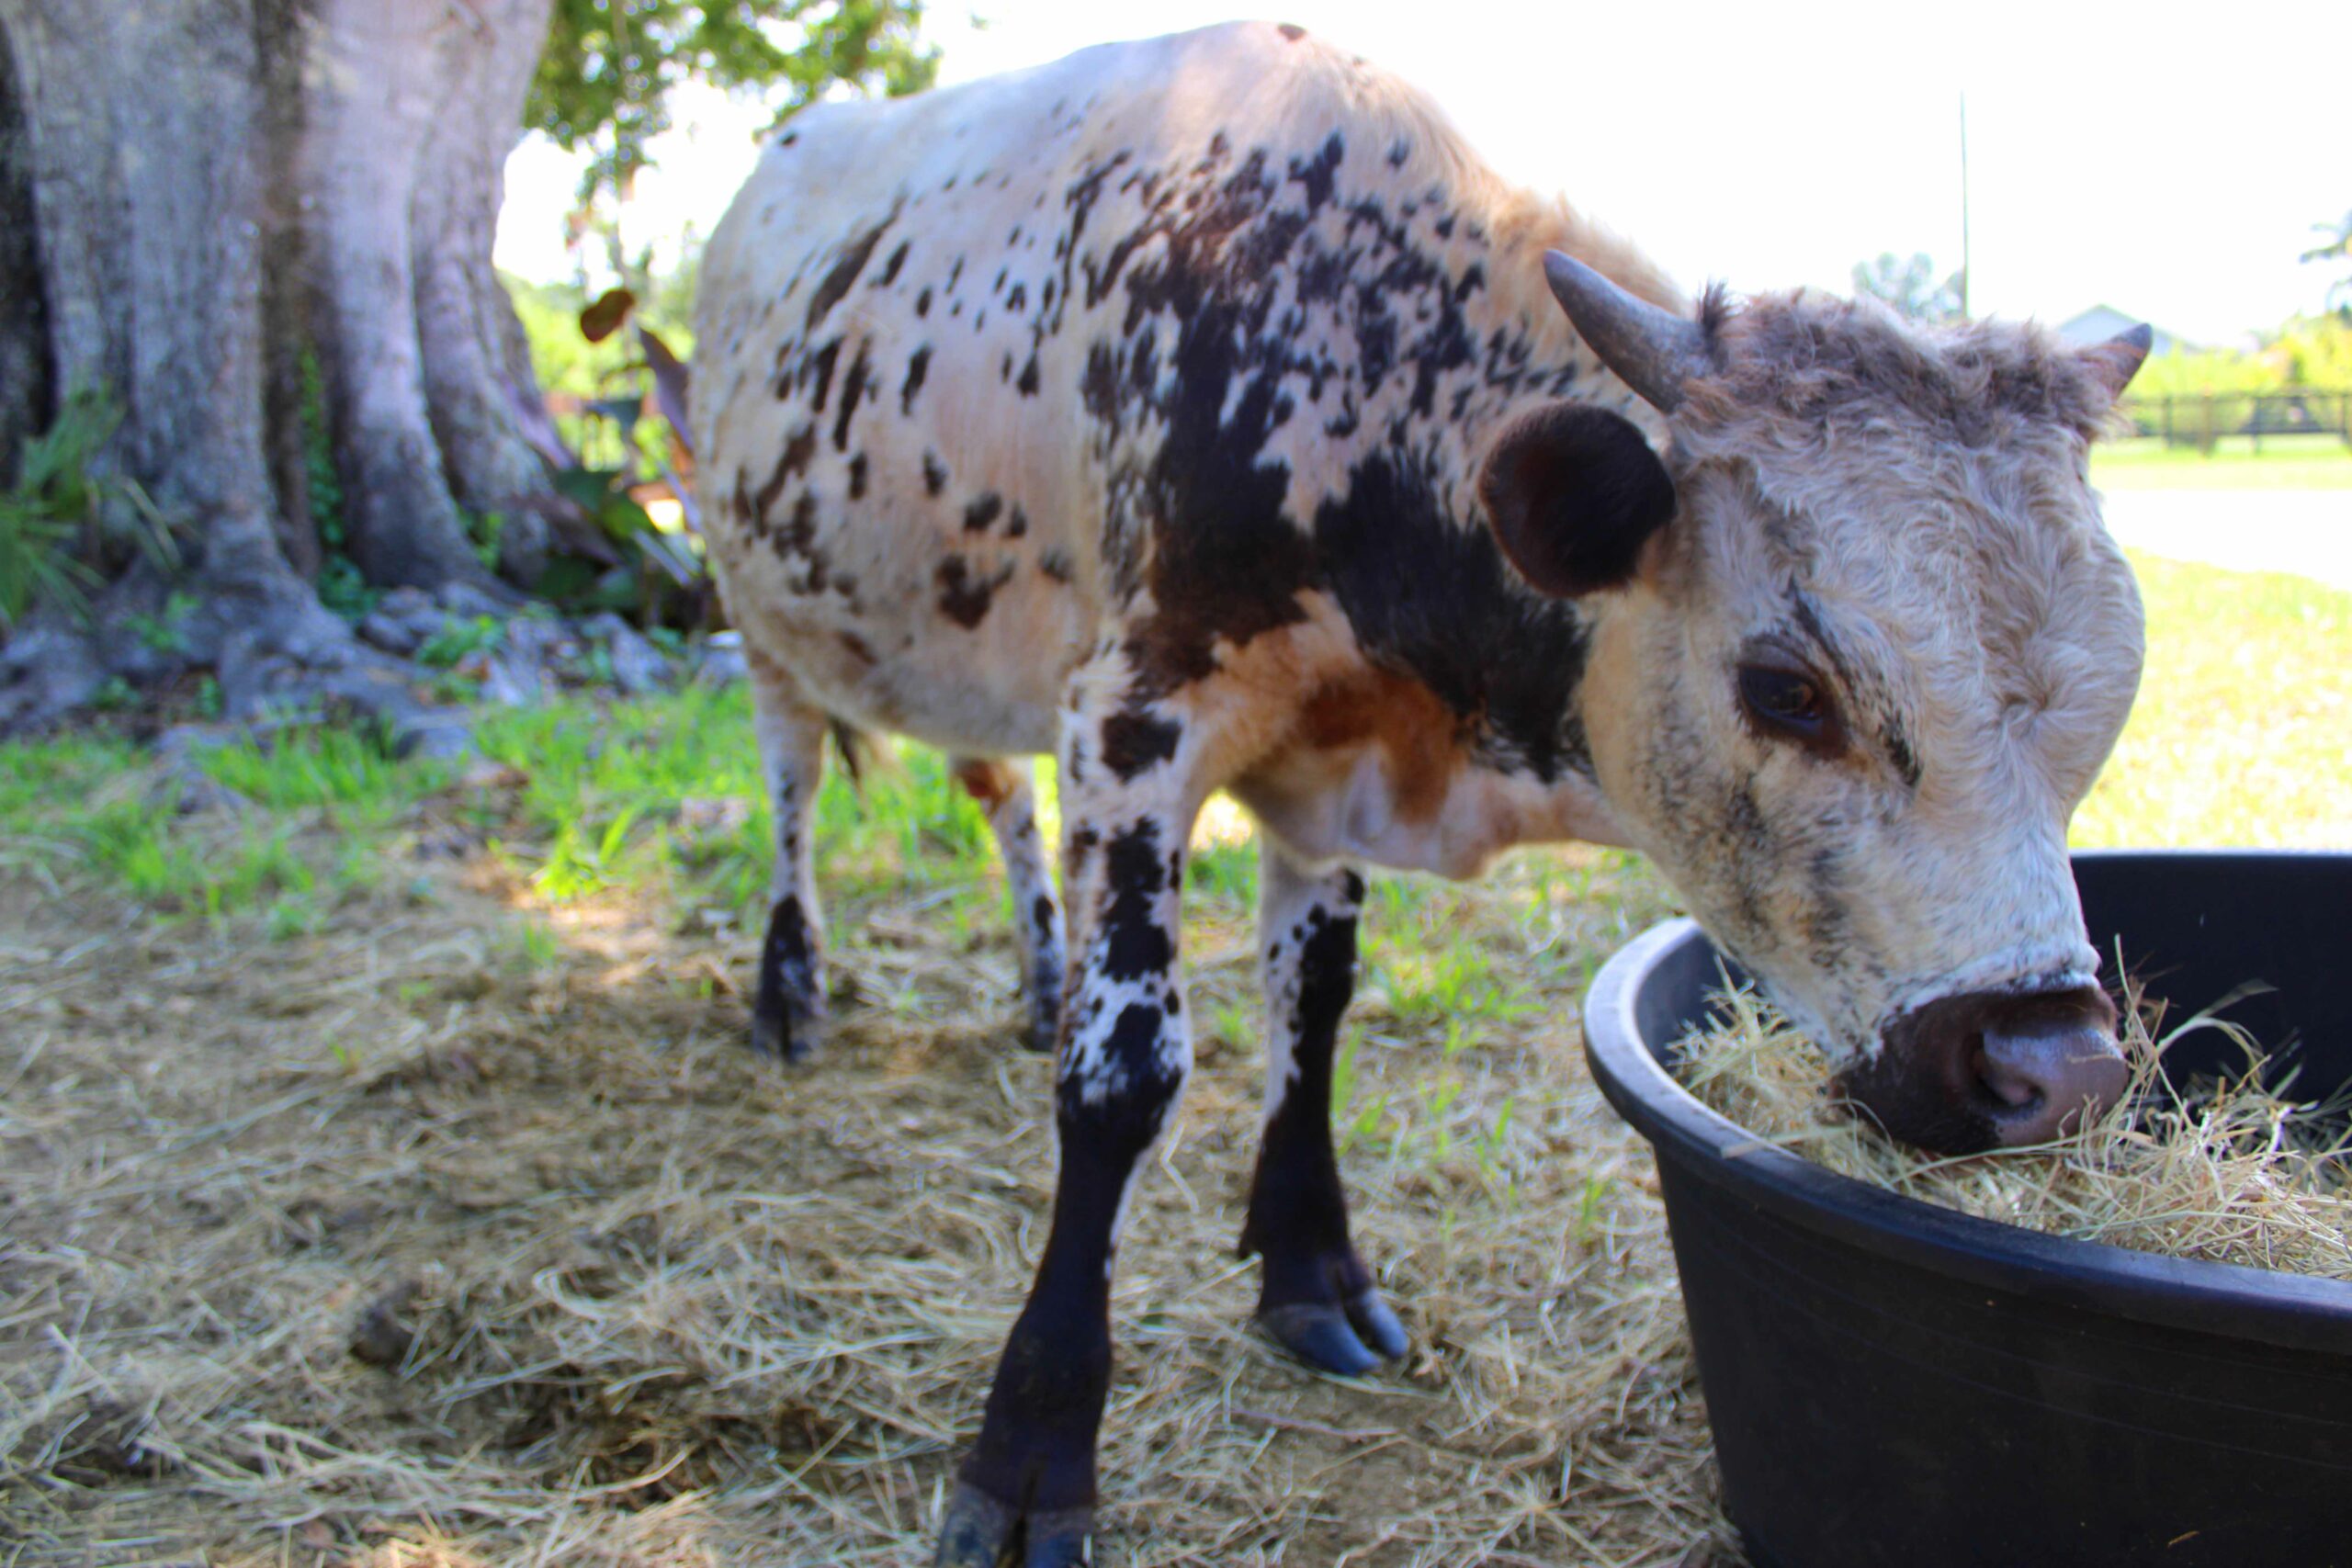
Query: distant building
x=2101, y=322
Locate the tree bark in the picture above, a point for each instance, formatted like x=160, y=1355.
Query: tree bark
x=374, y=95
x=219, y=191
x=26, y=398
x=479, y=390
x=147, y=201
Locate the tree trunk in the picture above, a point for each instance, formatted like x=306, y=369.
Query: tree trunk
x=285, y=323
x=374, y=66
x=480, y=395
x=220, y=190
x=26, y=399
x=146, y=198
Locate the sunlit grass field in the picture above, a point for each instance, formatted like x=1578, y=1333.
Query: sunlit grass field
x=2299, y=462
x=2243, y=731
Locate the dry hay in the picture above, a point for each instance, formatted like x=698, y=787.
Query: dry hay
x=463, y=1232
x=2226, y=1172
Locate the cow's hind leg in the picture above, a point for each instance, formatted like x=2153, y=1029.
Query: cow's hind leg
x=1006, y=795
x=789, y=1010
x=1316, y=1297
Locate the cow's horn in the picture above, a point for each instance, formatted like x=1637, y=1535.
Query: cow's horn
x=2117, y=360
x=1652, y=351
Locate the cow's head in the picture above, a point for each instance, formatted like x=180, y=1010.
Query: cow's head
x=1860, y=644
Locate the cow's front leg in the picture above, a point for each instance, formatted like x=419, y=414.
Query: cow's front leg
x=1026, y=1491
x=1006, y=795
x=1316, y=1297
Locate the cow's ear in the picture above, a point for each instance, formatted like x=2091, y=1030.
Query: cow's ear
x=1573, y=493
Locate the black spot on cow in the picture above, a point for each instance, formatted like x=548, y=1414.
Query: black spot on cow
x=918, y=367
x=1133, y=743
x=1055, y=565
x=1099, y=387
x=891, y=268
x=1027, y=385
x=1018, y=298
x=1017, y=525
x=1134, y=944
x=857, y=477
x=1316, y=173
x=1290, y=30
x=853, y=390
x=1472, y=279
x=846, y=268
x=1399, y=150
x=964, y=598
x=1445, y=227
x=790, y=137
x=792, y=464
x=981, y=512
x=821, y=370
x=934, y=474
x=1429, y=596
x=922, y=303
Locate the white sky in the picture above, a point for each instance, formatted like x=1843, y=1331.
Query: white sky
x=2169, y=159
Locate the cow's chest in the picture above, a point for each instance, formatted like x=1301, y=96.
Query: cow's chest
x=1379, y=772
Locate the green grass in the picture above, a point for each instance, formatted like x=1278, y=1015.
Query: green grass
x=2243, y=731
x=2299, y=462
x=2242, y=735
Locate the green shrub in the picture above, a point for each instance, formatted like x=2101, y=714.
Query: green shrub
x=64, y=521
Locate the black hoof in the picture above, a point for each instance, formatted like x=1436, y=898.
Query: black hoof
x=980, y=1532
x=1349, y=1339
x=1045, y=1027
x=1320, y=1336
x=785, y=1036
x=1376, y=1325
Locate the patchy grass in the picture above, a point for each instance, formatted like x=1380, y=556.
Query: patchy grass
x=460, y=1229
x=2295, y=462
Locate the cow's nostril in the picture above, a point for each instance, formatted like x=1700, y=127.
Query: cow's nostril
x=2046, y=1083
x=2004, y=1079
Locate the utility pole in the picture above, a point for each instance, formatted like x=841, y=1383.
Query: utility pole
x=1967, y=272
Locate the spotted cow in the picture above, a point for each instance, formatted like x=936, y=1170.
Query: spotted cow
x=1204, y=413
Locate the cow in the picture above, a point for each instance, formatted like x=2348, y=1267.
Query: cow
x=1203, y=412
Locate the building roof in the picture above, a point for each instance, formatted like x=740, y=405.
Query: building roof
x=2101, y=322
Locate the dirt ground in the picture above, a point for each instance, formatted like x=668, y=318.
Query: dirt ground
x=462, y=1231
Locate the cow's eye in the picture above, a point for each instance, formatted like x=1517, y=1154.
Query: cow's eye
x=1788, y=702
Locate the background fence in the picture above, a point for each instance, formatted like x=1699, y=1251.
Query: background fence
x=2202, y=418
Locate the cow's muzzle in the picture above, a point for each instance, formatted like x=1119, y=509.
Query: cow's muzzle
x=1989, y=1069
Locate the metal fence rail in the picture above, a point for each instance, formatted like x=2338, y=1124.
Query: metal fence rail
x=2202, y=418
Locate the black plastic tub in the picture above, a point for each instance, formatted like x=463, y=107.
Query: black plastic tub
x=1896, y=1383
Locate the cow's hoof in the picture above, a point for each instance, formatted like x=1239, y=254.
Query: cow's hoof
x=1349, y=1338
x=1045, y=1026
x=787, y=1037
x=980, y=1532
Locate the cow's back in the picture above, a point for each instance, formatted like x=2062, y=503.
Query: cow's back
x=968, y=362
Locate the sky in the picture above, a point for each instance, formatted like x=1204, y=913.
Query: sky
x=2169, y=160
